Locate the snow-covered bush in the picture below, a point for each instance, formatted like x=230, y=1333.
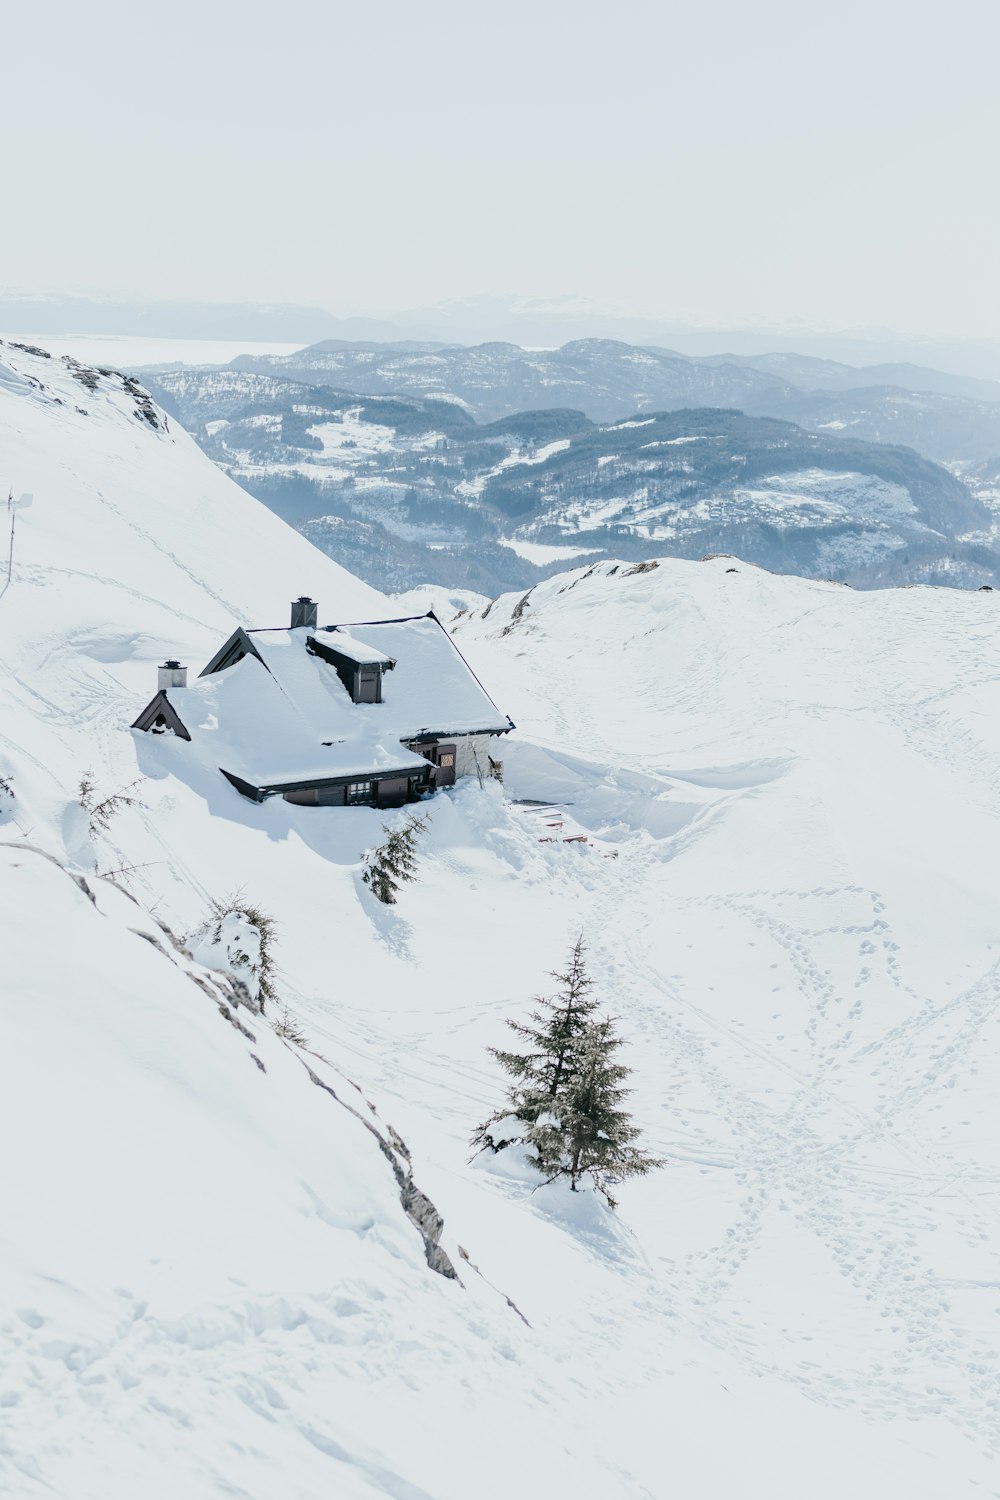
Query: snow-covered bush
x=8, y=799
x=238, y=939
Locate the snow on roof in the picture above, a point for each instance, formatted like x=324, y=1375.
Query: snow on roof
x=432, y=690
x=310, y=684
x=243, y=720
x=337, y=639
x=288, y=718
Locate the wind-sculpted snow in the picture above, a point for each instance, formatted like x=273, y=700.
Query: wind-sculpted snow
x=769, y=805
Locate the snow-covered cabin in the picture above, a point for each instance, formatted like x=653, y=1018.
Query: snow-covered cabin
x=376, y=712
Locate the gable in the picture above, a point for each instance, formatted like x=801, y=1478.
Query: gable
x=160, y=714
x=238, y=645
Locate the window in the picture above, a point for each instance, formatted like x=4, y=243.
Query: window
x=359, y=791
x=446, y=760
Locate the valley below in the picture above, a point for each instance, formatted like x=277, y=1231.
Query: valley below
x=424, y=464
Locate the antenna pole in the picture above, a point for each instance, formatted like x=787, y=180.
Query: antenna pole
x=12, y=512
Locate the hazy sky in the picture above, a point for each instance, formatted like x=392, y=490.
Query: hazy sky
x=724, y=161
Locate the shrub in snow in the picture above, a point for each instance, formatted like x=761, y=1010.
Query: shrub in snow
x=395, y=861
x=8, y=798
x=289, y=1029
x=566, y=1101
x=101, y=810
x=238, y=939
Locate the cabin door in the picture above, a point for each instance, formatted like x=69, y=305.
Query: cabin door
x=443, y=759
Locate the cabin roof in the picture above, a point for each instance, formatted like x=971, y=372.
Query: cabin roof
x=432, y=690
x=246, y=721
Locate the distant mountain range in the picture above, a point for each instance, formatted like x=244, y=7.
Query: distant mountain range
x=950, y=418
x=412, y=488
x=530, y=321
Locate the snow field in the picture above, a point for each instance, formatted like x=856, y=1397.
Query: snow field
x=209, y=1287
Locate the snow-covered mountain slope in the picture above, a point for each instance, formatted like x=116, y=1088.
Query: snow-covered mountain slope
x=809, y=373
x=942, y=416
x=128, y=546
x=410, y=490
x=209, y=1283
x=813, y=776
x=604, y=377
x=944, y=428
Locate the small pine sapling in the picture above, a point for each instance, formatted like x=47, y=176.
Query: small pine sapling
x=288, y=1028
x=394, y=862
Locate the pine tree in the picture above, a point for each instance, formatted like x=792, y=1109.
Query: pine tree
x=395, y=861
x=596, y=1134
x=565, y=1100
x=556, y=1026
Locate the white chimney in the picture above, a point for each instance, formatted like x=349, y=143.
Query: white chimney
x=171, y=675
x=305, y=612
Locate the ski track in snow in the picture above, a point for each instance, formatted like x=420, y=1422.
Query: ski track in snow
x=860, y=1091
x=784, y=1161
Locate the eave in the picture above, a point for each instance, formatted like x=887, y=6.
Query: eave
x=427, y=736
x=321, y=783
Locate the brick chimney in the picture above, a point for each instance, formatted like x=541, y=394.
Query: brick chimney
x=305, y=612
x=171, y=675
